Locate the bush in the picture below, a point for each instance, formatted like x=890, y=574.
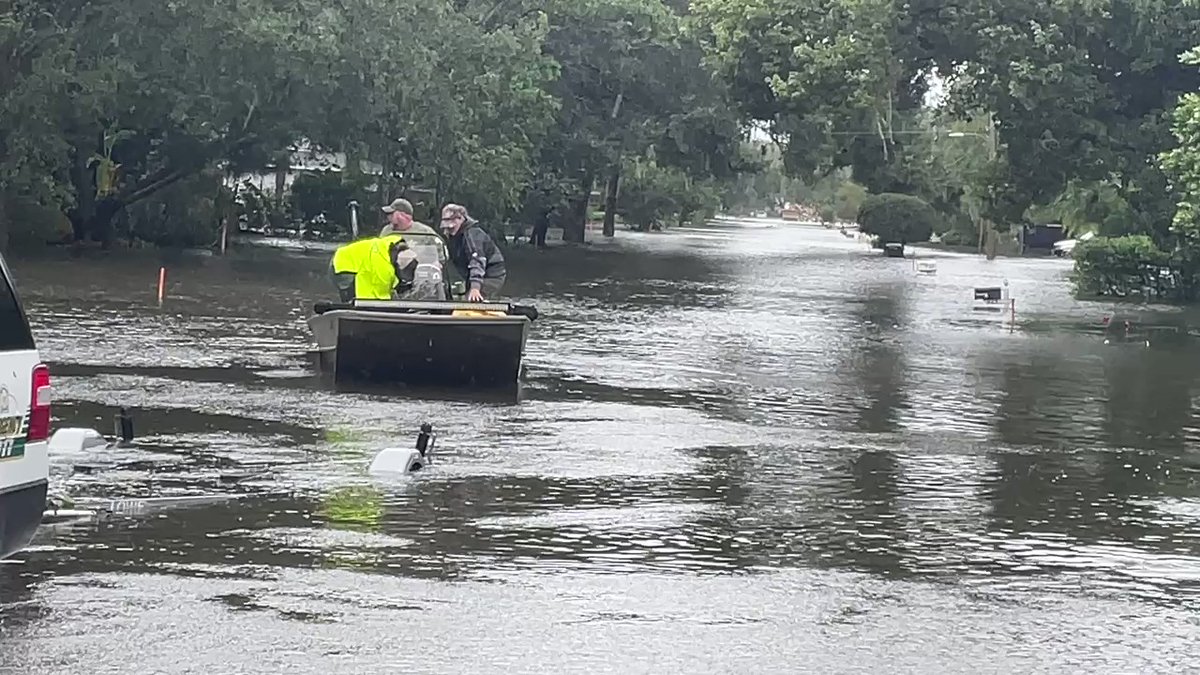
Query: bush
x=185, y=214
x=896, y=218
x=957, y=229
x=848, y=201
x=654, y=196
x=33, y=225
x=1124, y=266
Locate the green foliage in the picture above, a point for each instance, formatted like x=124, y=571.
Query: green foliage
x=762, y=184
x=1100, y=208
x=1121, y=267
x=32, y=224
x=896, y=218
x=957, y=229
x=654, y=196
x=185, y=214
x=848, y=200
x=454, y=104
x=631, y=86
x=507, y=107
x=1079, y=93
x=835, y=195
x=1182, y=164
x=134, y=97
x=833, y=78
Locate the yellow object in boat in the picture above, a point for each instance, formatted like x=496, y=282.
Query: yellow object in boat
x=476, y=313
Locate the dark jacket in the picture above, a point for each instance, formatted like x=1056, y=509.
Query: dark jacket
x=476, y=256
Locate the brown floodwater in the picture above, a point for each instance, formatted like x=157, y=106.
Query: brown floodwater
x=750, y=447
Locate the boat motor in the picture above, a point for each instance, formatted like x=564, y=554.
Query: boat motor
x=68, y=441
x=404, y=460
x=123, y=427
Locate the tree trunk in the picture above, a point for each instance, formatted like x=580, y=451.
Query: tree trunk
x=537, y=236
x=436, y=209
x=575, y=228
x=100, y=223
x=282, y=165
x=614, y=180
x=3, y=226
x=83, y=178
x=610, y=202
x=229, y=218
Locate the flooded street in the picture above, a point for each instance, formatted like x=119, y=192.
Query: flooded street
x=749, y=447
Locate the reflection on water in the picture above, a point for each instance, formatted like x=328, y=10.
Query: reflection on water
x=723, y=431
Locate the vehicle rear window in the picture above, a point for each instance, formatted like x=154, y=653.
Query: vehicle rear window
x=14, y=329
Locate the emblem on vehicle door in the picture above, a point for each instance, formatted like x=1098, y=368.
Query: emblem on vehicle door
x=11, y=421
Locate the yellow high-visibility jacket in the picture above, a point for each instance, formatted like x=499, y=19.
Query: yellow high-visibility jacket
x=370, y=260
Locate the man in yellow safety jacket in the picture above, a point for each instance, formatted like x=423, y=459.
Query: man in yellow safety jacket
x=372, y=268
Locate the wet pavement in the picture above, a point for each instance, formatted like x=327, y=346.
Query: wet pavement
x=749, y=447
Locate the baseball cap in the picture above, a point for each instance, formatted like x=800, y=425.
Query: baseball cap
x=401, y=205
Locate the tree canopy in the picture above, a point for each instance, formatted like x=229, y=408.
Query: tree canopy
x=106, y=104
x=129, y=116
x=1079, y=91
x=897, y=219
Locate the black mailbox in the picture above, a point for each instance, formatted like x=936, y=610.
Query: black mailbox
x=991, y=294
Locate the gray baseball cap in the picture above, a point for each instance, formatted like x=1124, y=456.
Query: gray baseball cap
x=401, y=205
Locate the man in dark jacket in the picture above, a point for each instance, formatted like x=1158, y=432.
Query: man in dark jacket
x=474, y=254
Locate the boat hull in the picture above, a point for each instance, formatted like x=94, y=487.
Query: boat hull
x=378, y=348
x=21, y=509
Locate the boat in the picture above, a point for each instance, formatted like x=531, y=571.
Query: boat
x=422, y=338
x=421, y=343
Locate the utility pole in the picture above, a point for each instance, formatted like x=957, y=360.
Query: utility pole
x=993, y=152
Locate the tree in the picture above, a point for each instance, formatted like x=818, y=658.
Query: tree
x=33, y=77
x=607, y=91
x=834, y=80
x=631, y=84
x=107, y=103
x=136, y=96
x=896, y=218
x=655, y=196
x=1182, y=164
x=1078, y=90
x=456, y=104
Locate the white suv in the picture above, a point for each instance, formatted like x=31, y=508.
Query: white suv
x=24, y=424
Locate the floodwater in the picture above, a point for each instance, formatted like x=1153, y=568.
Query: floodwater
x=749, y=447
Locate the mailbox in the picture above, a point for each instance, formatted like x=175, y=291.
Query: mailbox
x=990, y=294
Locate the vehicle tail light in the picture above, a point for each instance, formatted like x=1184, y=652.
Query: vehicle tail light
x=39, y=413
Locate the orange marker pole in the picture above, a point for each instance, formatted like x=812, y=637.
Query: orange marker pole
x=162, y=284
x=1012, y=320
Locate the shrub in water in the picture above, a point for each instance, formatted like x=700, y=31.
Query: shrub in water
x=895, y=218
x=1122, y=266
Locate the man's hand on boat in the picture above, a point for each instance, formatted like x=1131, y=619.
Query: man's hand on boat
x=406, y=266
x=474, y=295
